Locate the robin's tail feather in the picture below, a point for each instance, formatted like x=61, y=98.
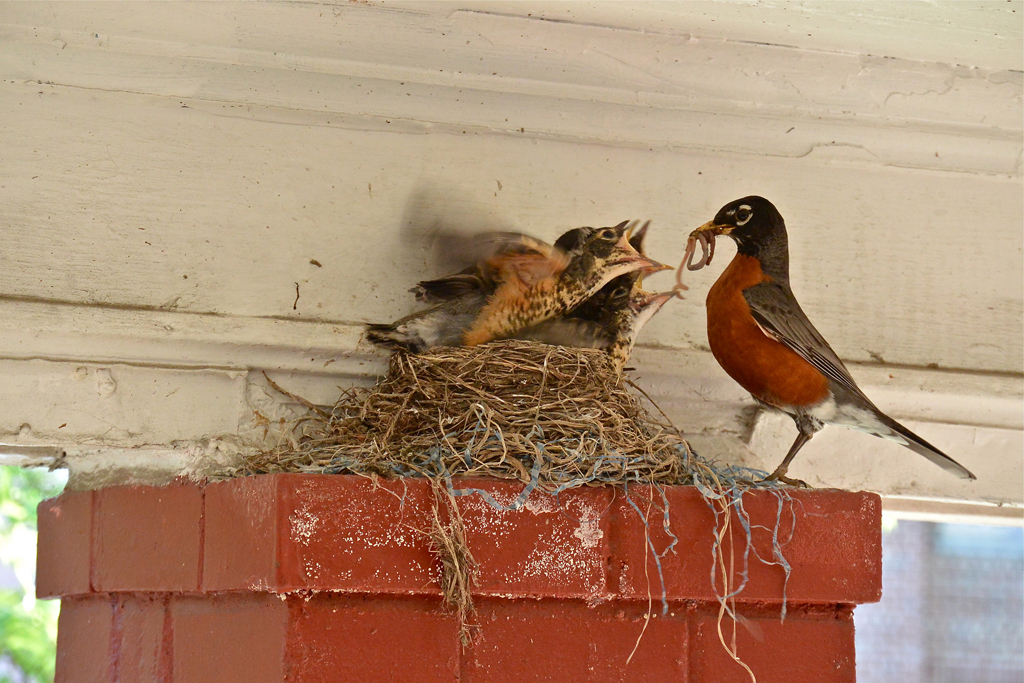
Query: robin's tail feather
x=394, y=337
x=922, y=447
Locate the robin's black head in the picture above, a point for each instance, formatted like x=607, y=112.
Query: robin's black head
x=750, y=221
x=758, y=229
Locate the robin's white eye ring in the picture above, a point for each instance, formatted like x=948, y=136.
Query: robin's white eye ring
x=743, y=215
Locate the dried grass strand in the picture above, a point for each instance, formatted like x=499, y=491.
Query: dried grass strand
x=459, y=569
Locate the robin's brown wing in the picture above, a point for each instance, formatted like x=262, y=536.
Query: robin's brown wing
x=472, y=279
x=527, y=258
x=776, y=310
x=498, y=255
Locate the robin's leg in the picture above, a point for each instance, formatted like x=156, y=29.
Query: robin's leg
x=807, y=425
x=780, y=472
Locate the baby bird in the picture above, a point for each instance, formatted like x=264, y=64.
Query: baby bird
x=610, y=320
x=523, y=299
x=524, y=281
x=443, y=324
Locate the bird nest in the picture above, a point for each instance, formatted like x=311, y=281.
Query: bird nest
x=551, y=417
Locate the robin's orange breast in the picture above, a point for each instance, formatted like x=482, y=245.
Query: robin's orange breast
x=513, y=306
x=767, y=368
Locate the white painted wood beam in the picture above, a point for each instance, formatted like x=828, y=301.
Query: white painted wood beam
x=494, y=72
x=986, y=33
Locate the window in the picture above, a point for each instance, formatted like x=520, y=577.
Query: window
x=952, y=606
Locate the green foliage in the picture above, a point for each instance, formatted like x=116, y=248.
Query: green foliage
x=21, y=491
x=29, y=638
x=28, y=628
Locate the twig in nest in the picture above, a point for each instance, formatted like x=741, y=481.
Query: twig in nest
x=728, y=587
x=298, y=399
x=647, y=576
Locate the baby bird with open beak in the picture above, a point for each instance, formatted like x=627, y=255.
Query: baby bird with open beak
x=610, y=319
x=521, y=282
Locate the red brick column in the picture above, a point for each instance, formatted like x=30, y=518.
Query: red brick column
x=328, y=578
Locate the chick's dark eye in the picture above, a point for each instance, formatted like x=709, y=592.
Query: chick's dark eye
x=607, y=234
x=620, y=292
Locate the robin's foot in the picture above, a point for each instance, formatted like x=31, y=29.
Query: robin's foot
x=780, y=476
x=798, y=483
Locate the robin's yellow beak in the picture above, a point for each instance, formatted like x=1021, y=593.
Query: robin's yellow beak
x=713, y=228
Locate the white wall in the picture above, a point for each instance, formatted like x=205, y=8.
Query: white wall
x=168, y=172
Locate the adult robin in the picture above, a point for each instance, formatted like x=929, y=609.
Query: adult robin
x=763, y=340
x=523, y=282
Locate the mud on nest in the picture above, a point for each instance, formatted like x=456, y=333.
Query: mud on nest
x=551, y=416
